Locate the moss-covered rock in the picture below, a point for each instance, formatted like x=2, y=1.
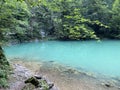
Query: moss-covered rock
x=39, y=83
x=33, y=81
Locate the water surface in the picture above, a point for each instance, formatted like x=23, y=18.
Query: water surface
x=101, y=57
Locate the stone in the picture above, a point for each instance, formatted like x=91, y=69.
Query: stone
x=50, y=85
x=33, y=81
x=38, y=76
x=107, y=84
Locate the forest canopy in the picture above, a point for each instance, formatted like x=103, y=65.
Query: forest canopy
x=24, y=20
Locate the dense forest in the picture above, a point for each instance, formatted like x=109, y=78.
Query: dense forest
x=60, y=19
x=25, y=20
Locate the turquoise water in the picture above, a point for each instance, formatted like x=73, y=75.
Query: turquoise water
x=101, y=57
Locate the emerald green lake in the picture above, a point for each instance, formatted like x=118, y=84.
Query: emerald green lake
x=101, y=57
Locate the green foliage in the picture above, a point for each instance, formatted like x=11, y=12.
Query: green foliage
x=115, y=20
x=64, y=19
x=4, y=69
x=2, y=74
x=3, y=82
x=76, y=26
x=13, y=17
x=44, y=85
x=98, y=11
x=81, y=32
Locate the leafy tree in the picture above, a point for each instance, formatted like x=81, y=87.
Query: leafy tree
x=5, y=13
x=12, y=14
x=76, y=26
x=64, y=20
x=98, y=10
x=115, y=20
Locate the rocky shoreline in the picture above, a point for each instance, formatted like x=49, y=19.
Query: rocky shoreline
x=63, y=78
x=20, y=80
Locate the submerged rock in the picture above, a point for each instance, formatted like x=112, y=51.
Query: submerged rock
x=107, y=84
x=71, y=71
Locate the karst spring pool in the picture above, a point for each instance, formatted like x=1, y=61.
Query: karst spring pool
x=101, y=57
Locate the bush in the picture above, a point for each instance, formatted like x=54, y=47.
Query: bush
x=3, y=82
